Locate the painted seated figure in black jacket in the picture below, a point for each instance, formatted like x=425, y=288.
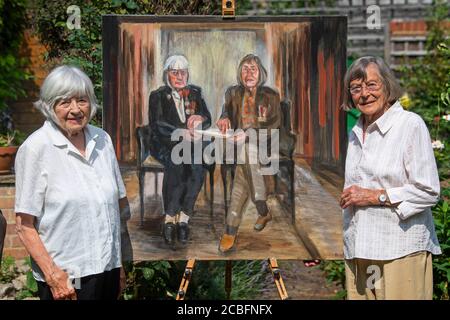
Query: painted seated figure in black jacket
x=177, y=105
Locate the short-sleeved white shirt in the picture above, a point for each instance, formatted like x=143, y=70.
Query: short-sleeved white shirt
x=75, y=199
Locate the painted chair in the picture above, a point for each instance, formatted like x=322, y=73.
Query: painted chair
x=147, y=163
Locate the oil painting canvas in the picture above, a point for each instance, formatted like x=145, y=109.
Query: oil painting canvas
x=229, y=133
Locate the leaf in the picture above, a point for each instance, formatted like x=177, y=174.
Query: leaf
x=116, y=3
x=127, y=296
x=445, y=206
x=31, y=282
x=131, y=5
x=148, y=273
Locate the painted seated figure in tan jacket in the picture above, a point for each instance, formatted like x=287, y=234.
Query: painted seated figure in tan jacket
x=248, y=105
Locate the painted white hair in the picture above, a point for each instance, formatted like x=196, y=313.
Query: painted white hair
x=65, y=82
x=175, y=62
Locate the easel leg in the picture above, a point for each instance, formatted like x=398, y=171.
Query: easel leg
x=278, y=279
x=185, y=280
x=228, y=275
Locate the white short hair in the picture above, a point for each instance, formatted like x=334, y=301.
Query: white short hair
x=65, y=82
x=175, y=62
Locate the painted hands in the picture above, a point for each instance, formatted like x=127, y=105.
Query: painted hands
x=194, y=121
x=223, y=125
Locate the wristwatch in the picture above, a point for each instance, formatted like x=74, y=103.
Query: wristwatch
x=382, y=198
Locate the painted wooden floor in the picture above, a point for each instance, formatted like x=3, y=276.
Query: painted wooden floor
x=317, y=228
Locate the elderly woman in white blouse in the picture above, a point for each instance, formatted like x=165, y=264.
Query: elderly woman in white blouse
x=391, y=183
x=68, y=190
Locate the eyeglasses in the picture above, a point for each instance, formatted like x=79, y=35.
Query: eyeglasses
x=251, y=70
x=371, y=87
x=176, y=73
x=67, y=103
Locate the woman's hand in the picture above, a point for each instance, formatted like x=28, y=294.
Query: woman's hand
x=56, y=279
x=360, y=197
x=223, y=125
x=60, y=285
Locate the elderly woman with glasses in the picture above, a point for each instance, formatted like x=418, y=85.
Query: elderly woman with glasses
x=391, y=183
x=174, y=107
x=69, y=192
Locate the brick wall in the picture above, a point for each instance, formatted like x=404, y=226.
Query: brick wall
x=13, y=247
x=406, y=41
x=414, y=27
x=27, y=119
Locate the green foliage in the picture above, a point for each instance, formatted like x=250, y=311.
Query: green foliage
x=148, y=280
x=12, y=72
x=12, y=138
x=335, y=273
x=12, y=76
x=441, y=263
x=242, y=6
x=161, y=280
x=210, y=287
x=279, y=7
x=247, y=280
x=82, y=47
x=12, y=24
x=30, y=289
x=443, y=163
x=427, y=80
x=8, y=270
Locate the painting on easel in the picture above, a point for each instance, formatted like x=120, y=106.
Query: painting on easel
x=229, y=134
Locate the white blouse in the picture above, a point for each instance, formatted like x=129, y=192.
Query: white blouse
x=75, y=199
x=397, y=156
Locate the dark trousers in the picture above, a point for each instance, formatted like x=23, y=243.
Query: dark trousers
x=181, y=186
x=102, y=286
x=2, y=234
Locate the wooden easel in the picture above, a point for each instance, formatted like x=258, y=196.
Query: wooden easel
x=228, y=274
x=229, y=12
x=185, y=280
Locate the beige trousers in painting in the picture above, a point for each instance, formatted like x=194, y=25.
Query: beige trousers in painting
x=248, y=184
